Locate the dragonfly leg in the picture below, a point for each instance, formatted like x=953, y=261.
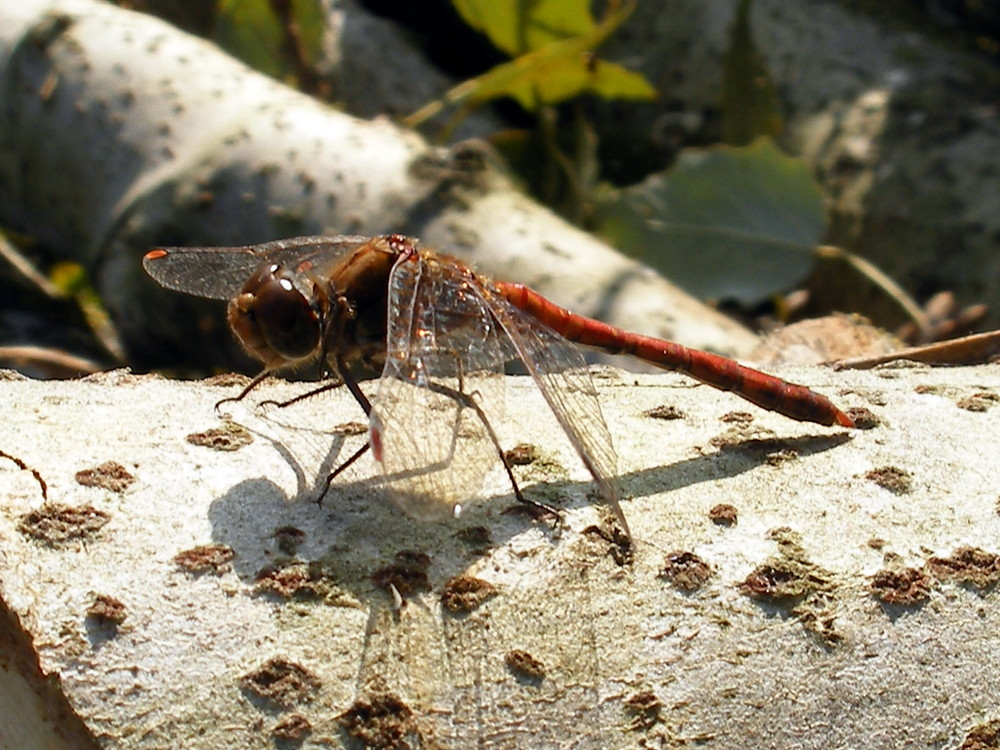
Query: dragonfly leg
x=346, y=378
x=336, y=472
x=467, y=400
x=352, y=385
x=260, y=378
x=343, y=377
x=303, y=396
x=34, y=472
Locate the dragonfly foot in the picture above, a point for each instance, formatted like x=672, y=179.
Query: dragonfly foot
x=537, y=511
x=275, y=404
x=620, y=543
x=229, y=400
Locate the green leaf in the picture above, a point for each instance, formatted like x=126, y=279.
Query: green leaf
x=71, y=281
x=310, y=20
x=612, y=81
x=724, y=223
x=520, y=26
x=558, y=71
x=250, y=30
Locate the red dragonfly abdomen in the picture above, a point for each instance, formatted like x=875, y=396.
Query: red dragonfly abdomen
x=766, y=391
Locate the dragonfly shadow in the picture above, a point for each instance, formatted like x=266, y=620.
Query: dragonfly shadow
x=358, y=531
x=311, y=454
x=288, y=547
x=730, y=460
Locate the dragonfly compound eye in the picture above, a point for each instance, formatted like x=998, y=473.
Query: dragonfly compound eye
x=273, y=319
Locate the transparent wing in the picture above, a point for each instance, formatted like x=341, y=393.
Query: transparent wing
x=441, y=388
x=221, y=272
x=561, y=374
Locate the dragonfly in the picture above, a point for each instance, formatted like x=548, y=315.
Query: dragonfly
x=441, y=335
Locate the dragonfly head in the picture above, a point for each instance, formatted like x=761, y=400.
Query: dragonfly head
x=276, y=320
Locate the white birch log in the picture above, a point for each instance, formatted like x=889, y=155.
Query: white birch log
x=626, y=658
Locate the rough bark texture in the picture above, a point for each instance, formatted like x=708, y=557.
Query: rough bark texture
x=779, y=642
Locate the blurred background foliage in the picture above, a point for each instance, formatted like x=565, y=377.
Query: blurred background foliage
x=713, y=204
x=702, y=215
